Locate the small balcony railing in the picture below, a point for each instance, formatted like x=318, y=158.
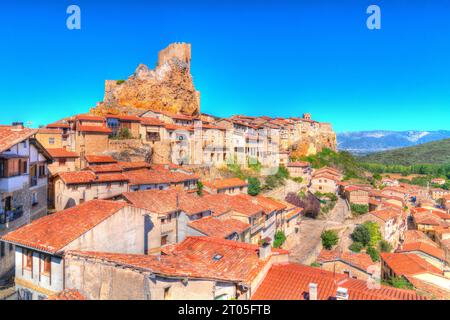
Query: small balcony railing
x=33, y=181
x=11, y=215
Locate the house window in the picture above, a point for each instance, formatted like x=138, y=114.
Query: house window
x=108, y=186
x=164, y=240
x=29, y=259
x=51, y=140
x=34, y=199
x=11, y=247
x=2, y=249
x=62, y=162
x=47, y=264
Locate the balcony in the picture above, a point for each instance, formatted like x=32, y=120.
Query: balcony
x=11, y=184
x=10, y=215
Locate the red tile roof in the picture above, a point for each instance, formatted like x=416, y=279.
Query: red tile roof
x=386, y=214
x=417, y=236
x=292, y=213
x=88, y=117
x=165, y=201
x=221, y=203
x=9, y=136
x=408, y=264
x=225, y=183
x=291, y=282
x=146, y=176
x=53, y=232
x=49, y=131
x=361, y=261
x=61, y=153
x=67, y=294
x=103, y=168
x=85, y=177
x=194, y=257
x=58, y=125
x=426, y=248
x=126, y=118
x=100, y=159
x=299, y=164
x=146, y=121
x=96, y=129
x=220, y=228
x=133, y=165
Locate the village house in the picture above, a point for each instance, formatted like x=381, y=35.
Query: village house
x=430, y=253
x=173, y=210
x=226, y=228
x=76, y=187
x=192, y=269
x=324, y=183
x=357, y=194
x=299, y=169
x=427, y=220
x=50, y=138
x=62, y=160
x=229, y=186
x=92, y=160
x=97, y=225
x=23, y=185
x=388, y=182
x=354, y=265
x=392, y=223
x=122, y=123
x=437, y=193
x=439, y=181
x=425, y=277
x=292, y=281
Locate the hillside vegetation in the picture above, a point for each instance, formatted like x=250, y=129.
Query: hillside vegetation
x=436, y=152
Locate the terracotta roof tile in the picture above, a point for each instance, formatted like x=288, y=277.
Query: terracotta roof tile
x=130, y=118
x=301, y=164
x=408, y=264
x=220, y=228
x=10, y=136
x=58, y=125
x=386, y=214
x=359, y=260
x=96, y=129
x=291, y=282
x=68, y=294
x=61, y=153
x=53, y=232
x=89, y=117
x=85, y=177
x=100, y=159
x=147, y=121
x=422, y=247
x=219, y=184
x=133, y=165
x=221, y=203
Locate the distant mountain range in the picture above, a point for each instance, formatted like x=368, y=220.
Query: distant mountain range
x=365, y=142
x=435, y=152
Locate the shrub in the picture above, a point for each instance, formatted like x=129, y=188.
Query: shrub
x=315, y=264
x=399, y=282
x=271, y=182
x=359, y=209
x=329, y=239
x=254, y=186
x=120, y=82
x=356, y=247
x=280, y=238
x=373, y=253
x=199, y=188
x=374, y=231
x=384, y=246
x=361, y=234
x=124, y=133
x=297, y=179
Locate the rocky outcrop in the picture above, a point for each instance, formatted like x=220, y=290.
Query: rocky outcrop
x=168, y=87
x=312, y=141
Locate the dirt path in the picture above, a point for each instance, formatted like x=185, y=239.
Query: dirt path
x=307, y=243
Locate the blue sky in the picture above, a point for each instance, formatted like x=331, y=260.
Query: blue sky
x=276, y=58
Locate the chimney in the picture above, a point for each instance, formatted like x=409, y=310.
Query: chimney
x=264, y=250
x=313, y=291
x=342, y=293
x=17, y=125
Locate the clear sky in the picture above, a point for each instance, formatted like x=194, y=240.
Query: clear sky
x=275, y=58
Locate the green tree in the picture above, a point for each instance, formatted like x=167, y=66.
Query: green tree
x=315, y=264
x=329, y=239
x=280, y=238
x=384, y=246
x=124, y=133
x=356, y=247
x=271, y=182
x=374, y=231
x=199, y=188
x=358, y=209
x=399, y=282
x=254, y=186
x=361, y=234
x=373, y=253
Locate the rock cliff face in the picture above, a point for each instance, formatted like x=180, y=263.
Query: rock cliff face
x=168, y=87
x=313, y=141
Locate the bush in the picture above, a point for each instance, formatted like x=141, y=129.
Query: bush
x=399, y=282
x=329, y=239
x=120, y=82
x=361, y=234
x=384, y=246
x=374, y=231
x=271, y=182
x=199, y=188
x=280, y=238
x=254, y=186
x=297, y=179
x=315, y=264
x=359, y=209
x=373, y=253
x=356, y=247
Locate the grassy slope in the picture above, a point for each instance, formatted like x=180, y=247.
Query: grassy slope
x=436, y=152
